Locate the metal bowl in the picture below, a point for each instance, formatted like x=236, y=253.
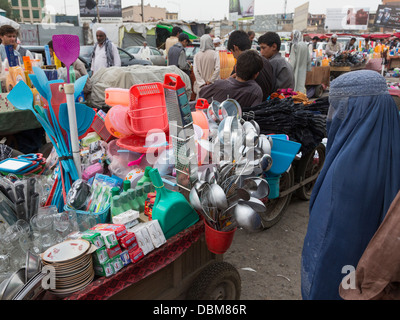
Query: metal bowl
x=14, y=284
x=247, y=218
x=32, y=266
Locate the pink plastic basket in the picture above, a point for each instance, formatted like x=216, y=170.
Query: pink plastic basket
x=147, y=108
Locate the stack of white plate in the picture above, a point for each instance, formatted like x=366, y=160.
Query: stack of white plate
x=73, y=265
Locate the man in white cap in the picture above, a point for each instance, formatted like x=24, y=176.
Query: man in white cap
x=105, y=53
x=217, y=43
x=333, y=46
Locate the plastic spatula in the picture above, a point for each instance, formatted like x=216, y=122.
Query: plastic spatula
x=79, y=85
x=66, y=48
x=85, y=117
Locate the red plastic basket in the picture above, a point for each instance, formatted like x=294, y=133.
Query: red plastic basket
x=136, y=144
x=147, y=108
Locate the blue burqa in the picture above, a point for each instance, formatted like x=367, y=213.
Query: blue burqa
x=359, y=181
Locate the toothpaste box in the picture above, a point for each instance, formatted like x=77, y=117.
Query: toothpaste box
x=126, y=259
x=104, y=270
x=128, y=240
x=100, y=255
x=112, y=252
x=117, y=263
x=109, y=238
x=93, y=237
x=136, y=255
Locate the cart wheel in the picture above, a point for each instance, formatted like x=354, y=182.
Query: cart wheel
x=218, y=281
x=275, y=208
x=307, y=167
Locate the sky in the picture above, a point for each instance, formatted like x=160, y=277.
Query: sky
x=218, y=9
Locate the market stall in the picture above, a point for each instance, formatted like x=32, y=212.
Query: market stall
x=142, y=202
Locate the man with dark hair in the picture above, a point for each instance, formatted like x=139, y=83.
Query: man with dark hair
x=351, y=45
x=243, y=88
x=8, y=36
x=238, y=43
x=251, y=35
x=177, y=53
x=270, y=45
x=173, y=39
x=314, y=42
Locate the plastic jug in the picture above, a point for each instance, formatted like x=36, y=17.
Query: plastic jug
x=171, y=209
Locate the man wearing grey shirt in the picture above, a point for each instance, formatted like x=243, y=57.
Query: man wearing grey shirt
x=270, y=44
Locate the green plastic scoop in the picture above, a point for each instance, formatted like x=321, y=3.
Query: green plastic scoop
x=171, y=209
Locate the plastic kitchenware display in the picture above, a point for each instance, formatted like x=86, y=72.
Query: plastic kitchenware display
x=147, y=108
x=117, y=97
x=181, y=131
x=171, y=208
x=118, y=121
x=67, y=48
x=84, y=116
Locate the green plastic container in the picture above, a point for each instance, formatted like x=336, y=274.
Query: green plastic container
x=171, y=209
x=146, y=177
x=116, y=207
x=132, y=200
x=139, y=195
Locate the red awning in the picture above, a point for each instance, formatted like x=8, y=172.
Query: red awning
x=377, y=35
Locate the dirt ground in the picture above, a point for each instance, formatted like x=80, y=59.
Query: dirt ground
x=269, y=261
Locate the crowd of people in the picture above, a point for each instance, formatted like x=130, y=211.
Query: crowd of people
x=275, y=72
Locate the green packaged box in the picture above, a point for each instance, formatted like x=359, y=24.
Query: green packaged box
x=100, y=255
x=117, y=263
x=104, y=270
x=93, y=237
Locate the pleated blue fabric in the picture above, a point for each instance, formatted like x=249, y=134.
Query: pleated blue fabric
x=359, y=181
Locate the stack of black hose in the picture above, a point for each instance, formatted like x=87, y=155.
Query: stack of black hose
x=305, y=124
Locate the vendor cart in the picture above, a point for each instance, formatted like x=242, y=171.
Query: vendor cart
x=299, y=180
x=337, y=71
x=318, y=80
x=183, y=268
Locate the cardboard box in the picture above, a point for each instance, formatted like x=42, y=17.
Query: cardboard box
x=143, y=238
x=128, y=240
x=117, y=263
x=109, y=238
x=136, y=255
x=118, y=229
x=112, y=252
x=93, y=237
x=156, y=233
x=100, y=255
x=104, y=270
x=126, y=259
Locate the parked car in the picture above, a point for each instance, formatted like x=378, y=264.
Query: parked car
x=85, y=56
x=285, y=49
x=40, y=49
x=191, y=50
x=127, y=59
x=156, y=56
